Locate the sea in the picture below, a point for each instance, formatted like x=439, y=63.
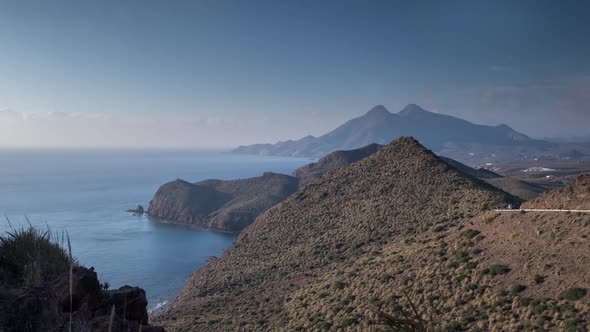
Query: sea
x=86, y=193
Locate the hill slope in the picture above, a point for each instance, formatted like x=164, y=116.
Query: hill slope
x=438, y=132
x=286, y=270
x=573, y=197
x=516, y=187
x=333, y=161
x=224, y=205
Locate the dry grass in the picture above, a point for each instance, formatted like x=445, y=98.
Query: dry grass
x=32, y=256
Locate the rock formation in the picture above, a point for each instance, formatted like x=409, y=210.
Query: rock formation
x=221, y=205
x=38, y=292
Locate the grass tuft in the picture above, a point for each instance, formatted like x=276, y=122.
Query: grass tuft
x=32, y=256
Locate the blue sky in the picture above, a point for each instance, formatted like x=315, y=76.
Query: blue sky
x=223, y=73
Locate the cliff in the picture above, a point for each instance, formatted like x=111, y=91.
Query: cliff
x=223, y=205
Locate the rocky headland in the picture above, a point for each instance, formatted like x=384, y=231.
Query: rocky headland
x=221, y=205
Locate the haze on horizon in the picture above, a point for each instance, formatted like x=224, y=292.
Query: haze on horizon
x=225, y=73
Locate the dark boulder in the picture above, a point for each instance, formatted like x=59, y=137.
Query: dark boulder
x=130, y=303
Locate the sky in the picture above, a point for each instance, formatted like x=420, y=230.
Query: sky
x=225, y=73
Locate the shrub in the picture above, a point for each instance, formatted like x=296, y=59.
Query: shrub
x=498, y=269
x=573, y=294
x=470, y=234
x=338, y=285
x=572, y=325
x=32, y=256
x=408, y=318
x=439, y=228
x=539, y=279
x=515, y=289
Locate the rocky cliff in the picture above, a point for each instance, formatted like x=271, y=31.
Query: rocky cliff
x=223, y=205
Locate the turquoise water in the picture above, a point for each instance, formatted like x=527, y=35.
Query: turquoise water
x=86, y=193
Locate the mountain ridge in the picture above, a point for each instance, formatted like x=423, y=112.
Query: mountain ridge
x=438, y=132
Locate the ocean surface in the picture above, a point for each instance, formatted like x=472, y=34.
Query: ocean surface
x=86, y=193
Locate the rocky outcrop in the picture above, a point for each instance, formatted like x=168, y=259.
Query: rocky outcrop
x=51, y=306
x=573, y=197
x=139, y=210
x=222, y=205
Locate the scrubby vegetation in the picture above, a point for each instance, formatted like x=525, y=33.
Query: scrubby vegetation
x=574, y=294
x=30, y=257
x=326, y=253
x=43, y=288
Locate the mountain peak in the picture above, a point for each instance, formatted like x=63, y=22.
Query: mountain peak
x=412, y=109
x=378, y=110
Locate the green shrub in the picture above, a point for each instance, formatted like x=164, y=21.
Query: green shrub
x=573, y=294
x=572, y=325
x=515, y=289
x=470, y=234
x=338, y=285
x=498, y=269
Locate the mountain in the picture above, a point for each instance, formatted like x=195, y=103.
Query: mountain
x=337, y=159
x=575, y=196
x=350, y=241
x=223, y=205
x=457, y=138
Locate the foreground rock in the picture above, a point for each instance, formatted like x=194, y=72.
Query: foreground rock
x=227, y=206
x=332, y=252
x=48, y=306
x=43, y=288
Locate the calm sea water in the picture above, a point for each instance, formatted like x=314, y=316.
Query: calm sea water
x=86, y=193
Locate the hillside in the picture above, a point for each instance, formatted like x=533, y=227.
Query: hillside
x=516, y=187
x=337, y=159
x=333, y=161
x=574, y=197
x=446, y=135
x=324, y=256
x=223, y=205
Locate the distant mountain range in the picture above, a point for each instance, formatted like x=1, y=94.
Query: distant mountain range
x=445, y=135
